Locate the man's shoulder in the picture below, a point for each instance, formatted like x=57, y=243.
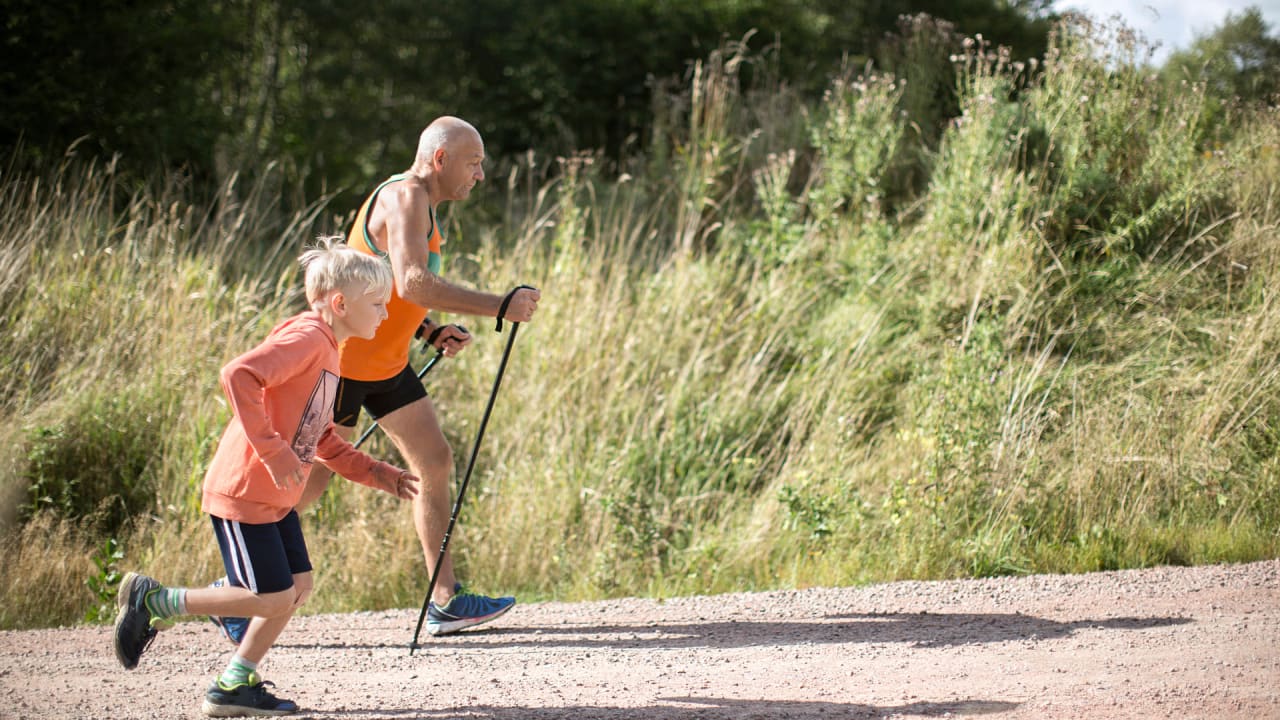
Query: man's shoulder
x=405, y=190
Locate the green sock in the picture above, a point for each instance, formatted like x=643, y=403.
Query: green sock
x=165, y=603
x=239, y=672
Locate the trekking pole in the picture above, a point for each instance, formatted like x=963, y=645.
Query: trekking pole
x=462, y=489
x=422, y=372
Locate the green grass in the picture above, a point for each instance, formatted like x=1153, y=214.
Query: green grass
x=752, y=369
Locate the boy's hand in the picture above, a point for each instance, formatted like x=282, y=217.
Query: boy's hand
x=286, y=477
x=294, y=479
x=406, y=485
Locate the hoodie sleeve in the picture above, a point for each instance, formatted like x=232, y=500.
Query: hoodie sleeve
x=343, y=458
x=246, y=379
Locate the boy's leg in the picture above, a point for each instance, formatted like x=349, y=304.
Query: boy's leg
x=263, y=631
x=146, y=607
x=273, y=560
x=231, y=627
x=263, y=553
x=239, y=691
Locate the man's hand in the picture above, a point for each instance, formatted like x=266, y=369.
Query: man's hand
x=520, y=305
x=450, y=339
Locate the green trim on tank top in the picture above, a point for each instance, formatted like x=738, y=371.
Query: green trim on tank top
x=434, y=261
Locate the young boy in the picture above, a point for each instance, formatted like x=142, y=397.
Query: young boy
x=282, y=397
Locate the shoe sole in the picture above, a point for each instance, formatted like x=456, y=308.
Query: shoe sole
x=122, y=605
x=125, y=589
x=225, y=711
x=453, y=626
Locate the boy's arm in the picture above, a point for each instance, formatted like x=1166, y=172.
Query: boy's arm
x=244, y=379
x=340, y=456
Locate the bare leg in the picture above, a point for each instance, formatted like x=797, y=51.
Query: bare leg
x=270, y=612
x=415, y=430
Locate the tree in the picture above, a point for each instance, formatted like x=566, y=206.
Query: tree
x=1239, y=60
x=128, y=77
x=340, y=90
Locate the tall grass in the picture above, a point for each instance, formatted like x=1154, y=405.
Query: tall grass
x=751, y=369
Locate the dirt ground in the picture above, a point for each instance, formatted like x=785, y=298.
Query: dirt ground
x=1163, y=643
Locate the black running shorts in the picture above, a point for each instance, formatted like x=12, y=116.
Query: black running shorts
x=379, y=397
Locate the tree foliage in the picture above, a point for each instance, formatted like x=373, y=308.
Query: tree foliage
x=1240, y=60
x=341, y=89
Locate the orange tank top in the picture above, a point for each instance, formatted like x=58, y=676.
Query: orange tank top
x=387, y=353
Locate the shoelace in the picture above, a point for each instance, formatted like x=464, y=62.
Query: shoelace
x=147, y=640
x=260, y=692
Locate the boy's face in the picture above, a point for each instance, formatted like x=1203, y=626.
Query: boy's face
x=365, y=311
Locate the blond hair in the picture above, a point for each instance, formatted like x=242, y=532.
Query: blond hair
x=334, y=265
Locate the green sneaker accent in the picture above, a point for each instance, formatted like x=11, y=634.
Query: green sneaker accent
x=134, y=629
x=248, y=700
x=251, y=679
x=237, y=674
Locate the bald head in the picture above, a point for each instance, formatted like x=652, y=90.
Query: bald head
x=450, y=159
x=444, y=133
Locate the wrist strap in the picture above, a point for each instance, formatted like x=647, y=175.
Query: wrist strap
x=502, y=310
x=431, y=339
x=422, y=328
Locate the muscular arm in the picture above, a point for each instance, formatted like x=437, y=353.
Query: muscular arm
x=405, y=213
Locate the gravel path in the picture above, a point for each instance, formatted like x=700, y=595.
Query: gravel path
x=1180, y=643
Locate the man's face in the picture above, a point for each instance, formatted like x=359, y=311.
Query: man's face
x=463, y=167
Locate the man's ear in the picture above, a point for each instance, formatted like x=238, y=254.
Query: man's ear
x=441, y=157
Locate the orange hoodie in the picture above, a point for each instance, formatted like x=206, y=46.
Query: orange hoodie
x=282, y=394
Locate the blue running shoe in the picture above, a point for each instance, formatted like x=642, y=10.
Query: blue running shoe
x=231, y=628
x=465, y=610
x=248, y=700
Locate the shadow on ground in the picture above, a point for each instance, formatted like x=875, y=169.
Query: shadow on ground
x=687, y=708
x=924, y=630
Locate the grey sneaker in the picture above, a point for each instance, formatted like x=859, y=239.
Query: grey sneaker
x=248, y=700
x=134, y=627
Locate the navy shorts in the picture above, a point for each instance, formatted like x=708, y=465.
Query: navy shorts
x=262, y=558
x=379, y=397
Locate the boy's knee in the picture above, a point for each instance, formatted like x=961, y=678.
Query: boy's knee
x=277, y=603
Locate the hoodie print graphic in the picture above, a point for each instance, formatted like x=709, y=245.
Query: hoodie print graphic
x=316, y=417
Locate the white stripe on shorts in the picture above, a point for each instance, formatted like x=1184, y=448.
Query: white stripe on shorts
x=239, y=556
